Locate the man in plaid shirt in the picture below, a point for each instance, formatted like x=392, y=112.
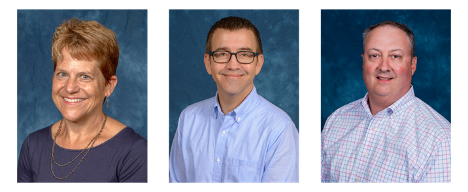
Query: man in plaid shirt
x=390, y=135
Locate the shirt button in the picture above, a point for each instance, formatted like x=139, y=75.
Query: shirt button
x=223, y=132
x=357, y=180
x=373, y=128
x=217, y=159
x=238, y=119
x=365, y=154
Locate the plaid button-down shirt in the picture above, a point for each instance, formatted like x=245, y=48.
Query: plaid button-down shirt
x=406, y=142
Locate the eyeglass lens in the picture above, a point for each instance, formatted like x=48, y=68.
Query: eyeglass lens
x=225, y=56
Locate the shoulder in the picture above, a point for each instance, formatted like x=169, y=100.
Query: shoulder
x=344, y=118
x=128, y=137
x=269, y=109
x=198, y=107
x=349, y=111
x=37, y=140
x=268, y=118
x=353, y=107
x=39, y=136
x=430, y=119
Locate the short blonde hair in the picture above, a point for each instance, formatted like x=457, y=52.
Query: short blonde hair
x=87, y=40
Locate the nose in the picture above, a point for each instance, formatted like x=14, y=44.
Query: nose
x=384, y=64
x=233, y=64
x=71, y=86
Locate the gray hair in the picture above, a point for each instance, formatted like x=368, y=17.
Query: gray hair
x=401, y=26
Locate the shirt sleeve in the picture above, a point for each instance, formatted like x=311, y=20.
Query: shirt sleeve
x=282, y=159
x=439, y=168
x=134, y=167
x=322, y=165
x=24, y=167
x=176, y=161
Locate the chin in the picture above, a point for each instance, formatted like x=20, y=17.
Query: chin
x=382, y=92
x=233, y=89
x=72, y=117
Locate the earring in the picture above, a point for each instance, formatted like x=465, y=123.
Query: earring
x=108, y=103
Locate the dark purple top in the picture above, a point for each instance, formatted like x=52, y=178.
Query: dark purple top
x=123, y=158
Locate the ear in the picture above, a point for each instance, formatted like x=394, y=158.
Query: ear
x=207, y=63
x=414, y=62
x=110, y=86
x=259, y=65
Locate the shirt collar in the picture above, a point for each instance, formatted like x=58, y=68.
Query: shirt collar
x=239, y=113
x=395, y=109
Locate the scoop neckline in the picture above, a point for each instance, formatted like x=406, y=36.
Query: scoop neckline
x=57, y=145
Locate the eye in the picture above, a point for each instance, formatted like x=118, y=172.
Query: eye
x=61, y=74
x=85, y=77
x=396, y=56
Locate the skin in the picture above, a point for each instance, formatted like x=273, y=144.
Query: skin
x=387, y=66
x=233, y=80
x=82, y=81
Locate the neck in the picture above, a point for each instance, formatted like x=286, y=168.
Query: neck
x=378, y=103
x=77, y=129
x=376, y=106
x=230, y=102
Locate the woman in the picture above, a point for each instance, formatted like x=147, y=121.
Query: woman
x=86, y=145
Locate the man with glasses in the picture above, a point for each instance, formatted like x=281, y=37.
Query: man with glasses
x=236, y=136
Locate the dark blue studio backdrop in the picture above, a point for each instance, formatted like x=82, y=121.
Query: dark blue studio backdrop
x=128, y=102
x=342, y=47
x=278, y=81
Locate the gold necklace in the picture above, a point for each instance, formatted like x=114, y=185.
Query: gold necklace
x=90, y=143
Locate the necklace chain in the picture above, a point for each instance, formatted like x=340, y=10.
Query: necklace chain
x=87, y=147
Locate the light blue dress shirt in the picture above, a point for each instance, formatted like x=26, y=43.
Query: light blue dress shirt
x=257, y=142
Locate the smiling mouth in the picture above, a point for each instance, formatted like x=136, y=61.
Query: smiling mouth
x=72, y=100
x=233, y=75
x=381, y=78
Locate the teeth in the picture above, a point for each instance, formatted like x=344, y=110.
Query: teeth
x=384, y=78
x=73, y=100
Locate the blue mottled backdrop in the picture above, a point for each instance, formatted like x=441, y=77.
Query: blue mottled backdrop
x=342, y=47
x=278, y=81
x=128, y=102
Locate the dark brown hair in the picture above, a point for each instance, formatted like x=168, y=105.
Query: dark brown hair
x=233, y=23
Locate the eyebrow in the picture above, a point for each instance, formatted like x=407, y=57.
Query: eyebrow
x=381, y=51
x=78, y=73
x=228, y=49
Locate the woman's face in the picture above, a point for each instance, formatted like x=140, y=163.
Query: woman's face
x=78, y=88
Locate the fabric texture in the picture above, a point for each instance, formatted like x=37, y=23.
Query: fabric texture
x=256, y=142
x=406, y=142
x=123, y=158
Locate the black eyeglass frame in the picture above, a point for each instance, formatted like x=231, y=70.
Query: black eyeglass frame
x=235, y=54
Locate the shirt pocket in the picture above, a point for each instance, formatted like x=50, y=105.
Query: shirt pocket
x=243, y=171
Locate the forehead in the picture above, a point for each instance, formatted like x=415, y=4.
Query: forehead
x=68, y=62
x=233, y=39
x=387, y=37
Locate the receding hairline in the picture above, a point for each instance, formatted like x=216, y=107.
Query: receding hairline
x=391, y=26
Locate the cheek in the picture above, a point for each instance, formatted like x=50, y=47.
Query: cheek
x=368, y=71
x=404, y=73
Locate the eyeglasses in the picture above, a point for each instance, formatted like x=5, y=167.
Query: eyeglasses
x=243, y=57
